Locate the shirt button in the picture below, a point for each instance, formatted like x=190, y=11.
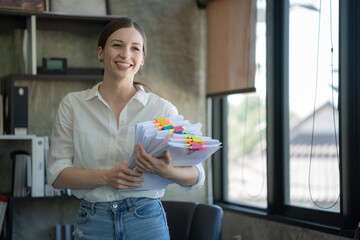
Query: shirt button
x=115, y=205
x=114, y=137
x=112, y=158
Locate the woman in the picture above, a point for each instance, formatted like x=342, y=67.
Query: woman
x=93, y=137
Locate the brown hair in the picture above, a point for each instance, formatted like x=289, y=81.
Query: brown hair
x=117, y=24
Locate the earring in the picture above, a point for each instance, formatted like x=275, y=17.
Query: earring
x=141, y=66
x=101, y=60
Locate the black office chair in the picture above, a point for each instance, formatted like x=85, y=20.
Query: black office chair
x=193, y=221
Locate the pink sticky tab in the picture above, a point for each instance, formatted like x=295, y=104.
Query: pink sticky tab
x=196, y=146
x=178, y=129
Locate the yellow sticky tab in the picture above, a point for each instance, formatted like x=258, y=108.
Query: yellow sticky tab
x=160, y=120
x=197, y=139
x=171, y=131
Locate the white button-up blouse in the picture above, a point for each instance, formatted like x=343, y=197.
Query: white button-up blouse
x=86, y=136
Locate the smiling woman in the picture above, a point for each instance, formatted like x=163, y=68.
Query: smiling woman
x=122, y=55
x=93, y=138
x=127, y=28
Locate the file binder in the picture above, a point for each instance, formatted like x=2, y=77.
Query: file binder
x=183, y=140
x=3, y=205
x=38, y=169
x=21, y=174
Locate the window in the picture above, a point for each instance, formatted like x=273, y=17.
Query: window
x=290, y=149
x=246, y=131
x=312, y=171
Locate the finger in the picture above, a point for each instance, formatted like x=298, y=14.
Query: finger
x=138, y=154
x=129, y=171
x=167, y=155
x=142, y=157
x=141, y=167
x=128, y=180
x=142, y=151
x=133, y=173
x=131, y=179
x=125, y=185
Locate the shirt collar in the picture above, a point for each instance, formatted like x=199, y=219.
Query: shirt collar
x=93, y=92
x=140, y=95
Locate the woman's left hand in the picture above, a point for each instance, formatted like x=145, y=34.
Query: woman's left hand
x=146, y=163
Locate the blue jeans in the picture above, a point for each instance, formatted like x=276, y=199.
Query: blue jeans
x=133, y=218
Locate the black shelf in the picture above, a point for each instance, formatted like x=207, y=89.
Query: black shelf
x=54, y=21
x=94, y=75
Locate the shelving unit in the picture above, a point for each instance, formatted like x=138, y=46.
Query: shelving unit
x=31, y=22
x=28, y=216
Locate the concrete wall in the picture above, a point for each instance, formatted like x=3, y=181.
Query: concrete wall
x=243, y=227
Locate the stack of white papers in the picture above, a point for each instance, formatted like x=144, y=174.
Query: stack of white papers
x=183, y=139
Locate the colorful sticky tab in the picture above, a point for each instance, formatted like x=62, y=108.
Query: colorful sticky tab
x=162, y=120
x=197, y=139
x=178, y=129
x=167, y=127
x=197, y=147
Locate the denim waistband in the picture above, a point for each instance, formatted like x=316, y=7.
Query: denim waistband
x=118, y=205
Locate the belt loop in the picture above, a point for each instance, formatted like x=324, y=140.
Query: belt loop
x=129, y=204
x=92, y=208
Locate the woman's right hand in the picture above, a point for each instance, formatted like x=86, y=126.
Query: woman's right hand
x=121, y=177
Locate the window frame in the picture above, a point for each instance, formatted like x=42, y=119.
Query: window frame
x=345, y=222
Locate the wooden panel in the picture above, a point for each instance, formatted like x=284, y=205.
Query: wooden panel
x=231, y=46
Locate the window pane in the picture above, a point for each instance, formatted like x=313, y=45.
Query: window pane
x=246, y=122
x=312, y=172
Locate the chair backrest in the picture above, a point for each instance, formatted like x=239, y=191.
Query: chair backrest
x=179, y=216
x=206, y=223
x=193, y=221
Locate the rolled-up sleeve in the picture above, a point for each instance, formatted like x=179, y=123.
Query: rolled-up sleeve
x=201, y=178
x=61, y=150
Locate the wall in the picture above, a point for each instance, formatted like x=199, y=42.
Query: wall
x=242, y=227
